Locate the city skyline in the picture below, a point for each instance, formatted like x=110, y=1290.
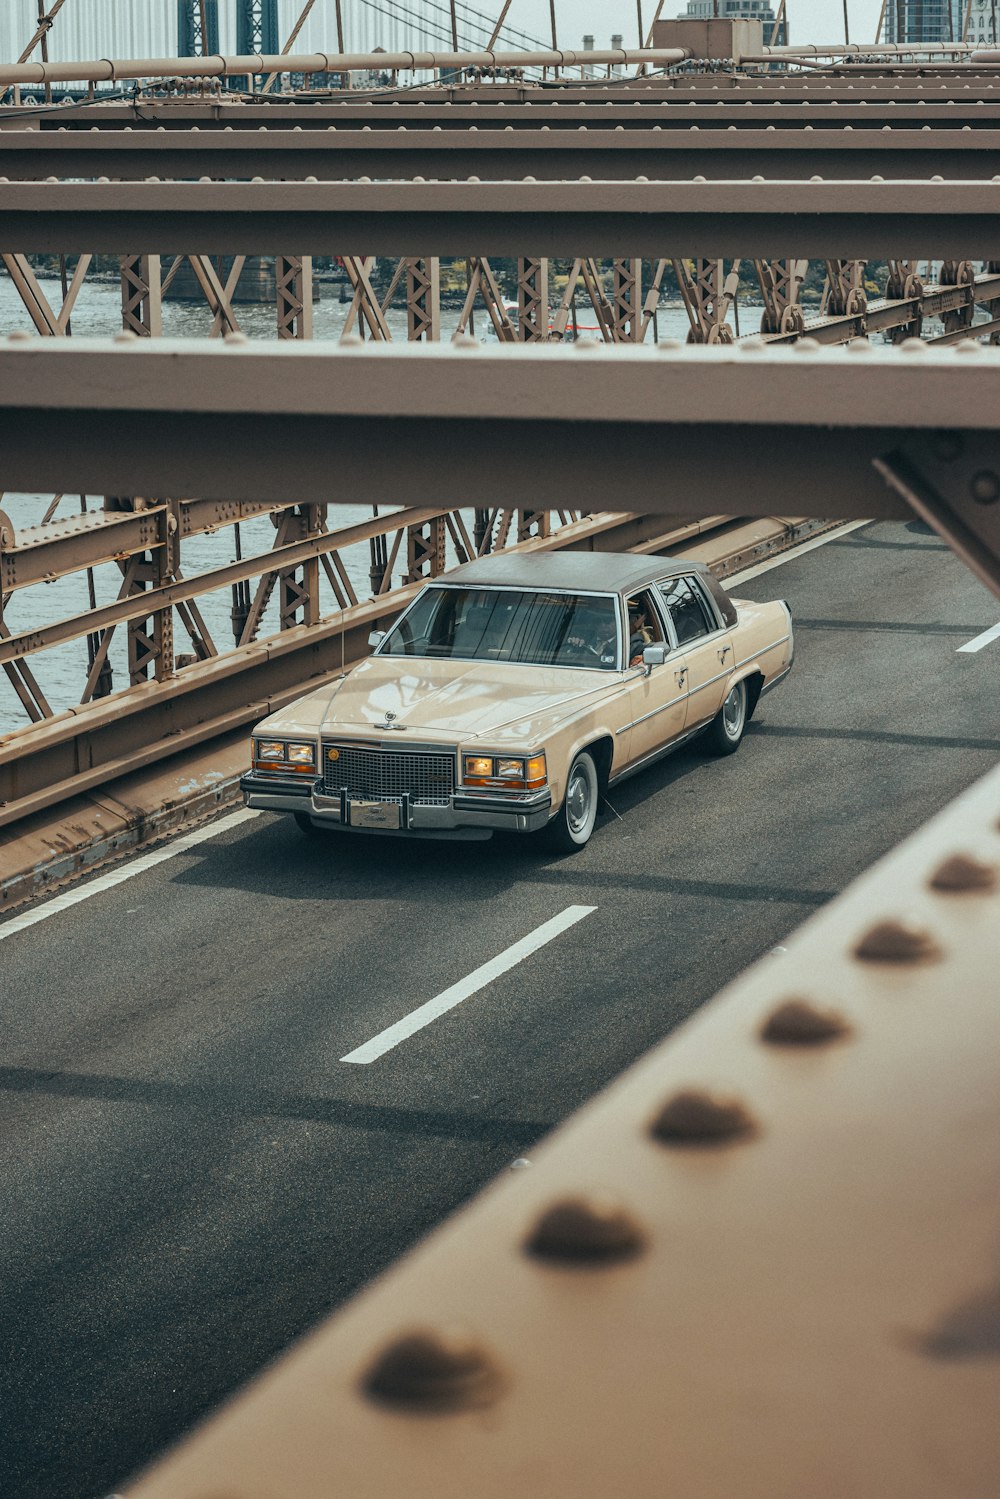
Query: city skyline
x=149, y=27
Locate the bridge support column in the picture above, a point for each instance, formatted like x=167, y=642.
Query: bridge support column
x=627, y=301
x=423, y=300
x=142, y=306
x=293, y=285
x=532, y=300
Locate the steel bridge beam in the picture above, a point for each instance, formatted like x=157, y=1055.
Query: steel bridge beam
x=605, y=153
x=760, y=1264
x=857, y=431
x=948, y=220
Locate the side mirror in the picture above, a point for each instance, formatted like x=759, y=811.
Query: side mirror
x=653, y=655
x=376, y=638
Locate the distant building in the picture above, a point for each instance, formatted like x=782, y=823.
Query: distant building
x=932, y=20
x=736, y=10
x=984, y=23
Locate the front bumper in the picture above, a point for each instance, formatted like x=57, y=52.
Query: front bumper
x=466, y=815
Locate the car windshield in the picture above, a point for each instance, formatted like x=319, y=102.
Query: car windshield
x=492, y=624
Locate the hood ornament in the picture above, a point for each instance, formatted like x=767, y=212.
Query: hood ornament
x=390, y=723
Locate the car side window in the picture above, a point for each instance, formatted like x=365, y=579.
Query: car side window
x=687, y=609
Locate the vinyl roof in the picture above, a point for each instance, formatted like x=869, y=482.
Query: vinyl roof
x=602, y=572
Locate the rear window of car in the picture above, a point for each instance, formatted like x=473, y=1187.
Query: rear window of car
x=530, y=628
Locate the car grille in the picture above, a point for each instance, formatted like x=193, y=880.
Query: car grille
x=388, y=775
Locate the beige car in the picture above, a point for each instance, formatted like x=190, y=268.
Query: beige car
x=512, y=693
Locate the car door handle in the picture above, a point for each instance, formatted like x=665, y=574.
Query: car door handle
x=681, y=675
x=723, y=653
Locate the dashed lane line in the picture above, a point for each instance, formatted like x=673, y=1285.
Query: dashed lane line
x=485, y=974
x=993, y=633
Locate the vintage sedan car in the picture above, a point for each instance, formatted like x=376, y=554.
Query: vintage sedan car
x=513, y=692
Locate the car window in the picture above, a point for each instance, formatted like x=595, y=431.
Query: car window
x=644, y=626
x=687, y=609
x=491, y=624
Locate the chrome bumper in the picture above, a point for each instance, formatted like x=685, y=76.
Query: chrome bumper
x=466, y=815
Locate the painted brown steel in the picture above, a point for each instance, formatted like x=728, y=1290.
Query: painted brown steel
x=659, y=424
x=785, y=108
x=714, y=219
x=557, y=155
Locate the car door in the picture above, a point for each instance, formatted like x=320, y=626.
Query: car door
x=655, y=702
x=704, y=655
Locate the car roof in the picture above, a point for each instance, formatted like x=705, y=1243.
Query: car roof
x=598, y=572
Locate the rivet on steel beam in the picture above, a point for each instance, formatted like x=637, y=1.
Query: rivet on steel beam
x=815, y=179
x=586, y=1231
x=350, y=341
x=964, y=872
x=806, y=345
x=20, y=336
x=256, y=179
x=756, y=179
x=529, y=179
x=585, y=179
x=858, y=346
x=204, y=179
x=968, y=346
x=233, y=338
x=876, y=178
x=984, y=487
x=316, y=179
x=913, y=346
x=693, y=1117
x=52, y=179
x=146, y=179
x=426, y=1370
x=473, y=179
x=669, y=345
x=699, y=179
x=125, y=336
x=798, y=1022
x=896, y=941
x=937, y=178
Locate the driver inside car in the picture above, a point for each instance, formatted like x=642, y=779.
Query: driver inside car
x=639, y=632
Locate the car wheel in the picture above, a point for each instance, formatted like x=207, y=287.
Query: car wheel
x=570, y=829
x=723, y=735
x=305, y=824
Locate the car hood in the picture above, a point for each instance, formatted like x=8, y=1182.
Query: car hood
x=444, y=700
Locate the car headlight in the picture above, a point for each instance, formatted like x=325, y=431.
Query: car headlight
x=269, y=749
x=505, y=773
x=478, y=767
x=301, y=754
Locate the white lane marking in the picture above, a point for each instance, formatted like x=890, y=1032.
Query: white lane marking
x=797, y=551
x=478, y=979
x=993, y=633
x=125, y=872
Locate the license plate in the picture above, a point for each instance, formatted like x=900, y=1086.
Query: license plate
x=373, y=814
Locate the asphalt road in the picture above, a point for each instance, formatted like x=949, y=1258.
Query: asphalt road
x=190, y=1174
